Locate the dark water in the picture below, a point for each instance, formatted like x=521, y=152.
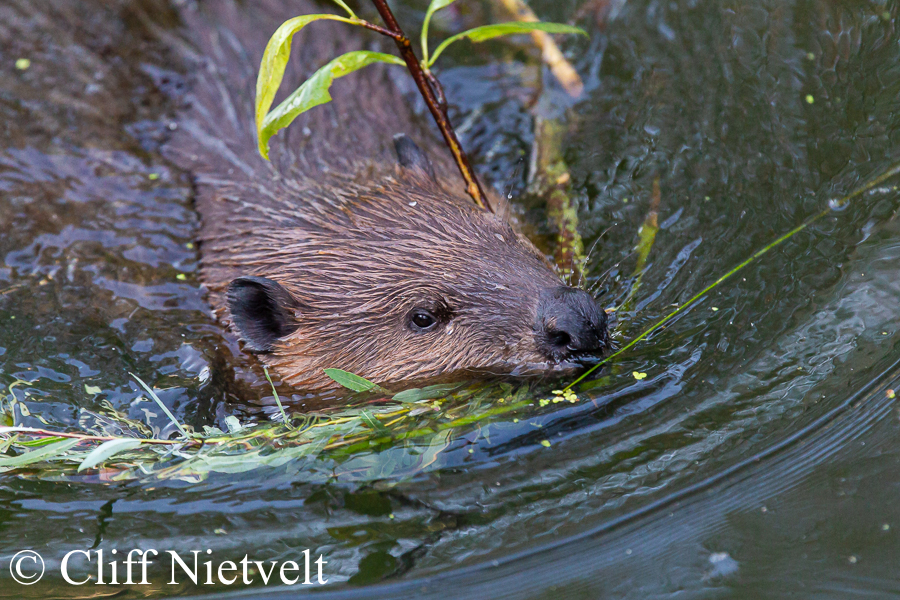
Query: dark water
x=757, y=458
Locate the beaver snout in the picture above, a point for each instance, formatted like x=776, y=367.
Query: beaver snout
x=570, y=325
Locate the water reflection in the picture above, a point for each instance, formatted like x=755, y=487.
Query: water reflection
x=753, y=117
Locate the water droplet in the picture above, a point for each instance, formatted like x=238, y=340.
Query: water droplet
x=838, y=204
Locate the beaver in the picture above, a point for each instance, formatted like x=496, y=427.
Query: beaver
x=352, y=248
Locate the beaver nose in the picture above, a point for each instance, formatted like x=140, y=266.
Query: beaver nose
x=569, y=324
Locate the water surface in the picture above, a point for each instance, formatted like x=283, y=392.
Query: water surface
x=757, y=458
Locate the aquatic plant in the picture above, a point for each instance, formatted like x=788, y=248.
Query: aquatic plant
x=112, y=449
x=116, y=448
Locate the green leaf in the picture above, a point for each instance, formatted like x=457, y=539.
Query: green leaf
x=437, y=444
x=228, y=464
x=376, y=425
x=425, y=393
x=106, y=450
x=346, y=8
x=286, y=455
x=351, y=381
x=45, y=452
x=274, y=61
x=487, y=32
x=42, y=441
x=91, y=389
x=313, y=92
x=233, y=424
x=435, y=6
x=5, y=444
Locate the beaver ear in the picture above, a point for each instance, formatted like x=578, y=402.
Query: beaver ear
x=262, y=311
x=411, y=157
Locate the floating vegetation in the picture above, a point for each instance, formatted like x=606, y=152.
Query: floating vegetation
x=113, y=447
x=420, y=422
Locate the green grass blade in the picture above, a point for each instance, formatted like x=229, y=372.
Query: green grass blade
x=426, y=393
x=314, y=91
x=161, y=405
x=284, y=416
x=488, y=32
x=835, y=205
x=42, y=441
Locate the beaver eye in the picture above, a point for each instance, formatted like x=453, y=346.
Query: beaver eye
x=422, y=320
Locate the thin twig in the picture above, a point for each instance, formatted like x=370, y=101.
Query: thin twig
x=439, y=112
x=11, y=288
x=438, y=90
x=391, y=34
x=552, y=56
x=87, y=438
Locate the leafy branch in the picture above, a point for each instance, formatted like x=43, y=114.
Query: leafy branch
x=424, y=417
x=489, y=32
x=315, y=90
x=425, y=420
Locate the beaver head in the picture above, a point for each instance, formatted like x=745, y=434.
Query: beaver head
x=404, y=281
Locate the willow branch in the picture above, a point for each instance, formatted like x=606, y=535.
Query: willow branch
x=86, y=438
x=438, y=109
x=391, y=34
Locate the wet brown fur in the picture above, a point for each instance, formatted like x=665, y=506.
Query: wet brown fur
x=357, y=240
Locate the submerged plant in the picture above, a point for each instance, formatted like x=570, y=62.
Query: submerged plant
x=112, y=446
